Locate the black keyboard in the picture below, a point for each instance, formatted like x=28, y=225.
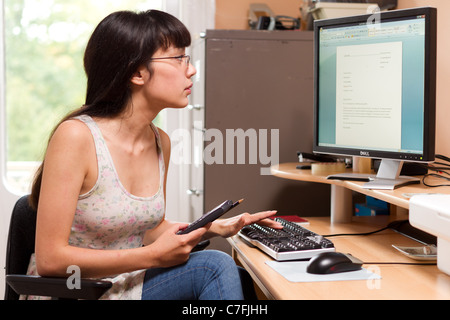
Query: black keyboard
x=293, y=242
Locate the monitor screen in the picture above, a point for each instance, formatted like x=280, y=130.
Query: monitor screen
x=375, y=83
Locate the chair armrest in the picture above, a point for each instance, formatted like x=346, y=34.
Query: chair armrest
x=90, y=289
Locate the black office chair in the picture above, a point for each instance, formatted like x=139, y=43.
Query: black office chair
x=20, y=247
x=21, y=238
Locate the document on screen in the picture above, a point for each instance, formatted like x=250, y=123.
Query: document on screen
x=369, y=95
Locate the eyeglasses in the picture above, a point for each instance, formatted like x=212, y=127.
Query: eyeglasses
x=186, y=58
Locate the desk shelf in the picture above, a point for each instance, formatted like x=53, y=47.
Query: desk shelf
x=341, y=210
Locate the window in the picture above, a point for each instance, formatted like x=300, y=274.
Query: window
x=44, y=75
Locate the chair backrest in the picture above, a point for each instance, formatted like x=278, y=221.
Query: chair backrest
x=21, y=240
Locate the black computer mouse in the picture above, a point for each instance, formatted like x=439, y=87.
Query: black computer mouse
x=333, y=262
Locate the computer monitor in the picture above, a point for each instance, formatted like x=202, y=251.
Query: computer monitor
x=375, y=90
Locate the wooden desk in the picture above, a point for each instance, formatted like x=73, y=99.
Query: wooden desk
x=398, y=281
x=341, y=197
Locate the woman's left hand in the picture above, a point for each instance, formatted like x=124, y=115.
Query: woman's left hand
x=229, y=227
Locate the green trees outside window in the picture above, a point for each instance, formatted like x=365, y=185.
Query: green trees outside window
x=44, y=45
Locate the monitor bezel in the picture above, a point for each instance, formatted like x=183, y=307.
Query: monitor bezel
x=429, y=125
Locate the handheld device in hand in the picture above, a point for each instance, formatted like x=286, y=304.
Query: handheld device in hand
x=211, y=216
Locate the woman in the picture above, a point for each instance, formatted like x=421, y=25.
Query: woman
x=100, y=192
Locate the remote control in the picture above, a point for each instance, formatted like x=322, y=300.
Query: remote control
x=210, y=216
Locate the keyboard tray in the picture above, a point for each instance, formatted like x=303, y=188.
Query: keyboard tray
x=293, y=242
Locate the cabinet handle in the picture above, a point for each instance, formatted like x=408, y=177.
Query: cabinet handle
x=195, y=107
x=194, y=192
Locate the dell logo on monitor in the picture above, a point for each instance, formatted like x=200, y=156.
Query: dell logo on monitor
x=364, y=153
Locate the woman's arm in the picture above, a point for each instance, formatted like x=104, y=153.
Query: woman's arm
x=153, y=234
x=231, y=226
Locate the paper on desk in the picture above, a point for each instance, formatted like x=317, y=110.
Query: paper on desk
x=295, y=271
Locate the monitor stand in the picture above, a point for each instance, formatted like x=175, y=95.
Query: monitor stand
x=387, y=178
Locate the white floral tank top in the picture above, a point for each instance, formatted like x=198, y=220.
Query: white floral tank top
x=109, y=217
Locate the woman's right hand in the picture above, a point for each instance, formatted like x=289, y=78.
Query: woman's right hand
x=171, y=249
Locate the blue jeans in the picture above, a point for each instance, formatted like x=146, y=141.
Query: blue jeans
x=207, y=275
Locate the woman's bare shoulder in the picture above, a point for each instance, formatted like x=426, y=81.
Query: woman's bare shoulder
x=71, y=136
x=73, y=132
x=165, y=142
x=164, y=136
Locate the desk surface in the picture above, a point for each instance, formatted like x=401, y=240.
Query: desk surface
x=398, y=281
x=396, y=196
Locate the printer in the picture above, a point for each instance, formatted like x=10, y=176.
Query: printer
x=431, y=213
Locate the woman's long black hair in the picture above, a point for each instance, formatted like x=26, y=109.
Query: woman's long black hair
x=119, y=45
